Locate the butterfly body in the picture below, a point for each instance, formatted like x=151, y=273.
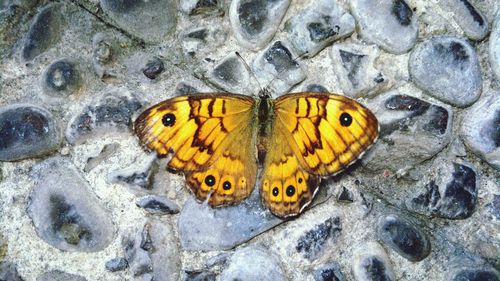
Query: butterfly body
x=218, y=140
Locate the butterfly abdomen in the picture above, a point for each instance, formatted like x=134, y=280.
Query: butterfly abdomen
x=265, y=117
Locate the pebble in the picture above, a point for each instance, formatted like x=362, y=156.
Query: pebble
x=323, y=235
x=494, y=50
x=202, y=41
x=392, y=25
x=411, y=131
x=45, y=31
x=65, y=212
x=110, y=112
x=371, y=263
x=317, y=88
x=451, y=194
x=202, y=7
x=157, y=205
x=8, y=271
x=116, y=264
x=200, y=276
x=223, y=228
x=481, y=128
x=61, y=78
x=153, y=68
x=354, y=66
x=447, y=68
x=58, y=275
x=252, y=263
x=494, y=207
x=404, y=237
x=477, y=274
x=254, y=22
x=314, y=28
x=151, y=21
x=469, y=18
x=138, y=176
x=232, y=75
x=345, y=195
x=277, y=68
x=152, y=252
x=106, y=152
x=328, y=272
x=27, y=131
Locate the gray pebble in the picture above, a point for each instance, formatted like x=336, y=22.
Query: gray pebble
x=371, y=263
x=469, y=18
x=314, y=28
x=58, y=275
x=494, y=50
x=61, y=78
x=153, y=68
x=254, y=22
x=481, y=128
x=447, y=68
x=116, y=264
x=202, y=7
x=328, y=272
x=157, y=205
x=8, y=272
x=390, y=24
x=253, y=263
x=477, y=274
x=323, y=235
x=151, y=21
x=27, y=131
x=65, y=212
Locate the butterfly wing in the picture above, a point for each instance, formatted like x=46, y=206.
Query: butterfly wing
x=321, y=134
x=210, y=138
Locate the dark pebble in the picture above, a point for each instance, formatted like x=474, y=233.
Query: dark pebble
x=328, y=272
x=313, y=241
x=153, y=68
x=116, y=264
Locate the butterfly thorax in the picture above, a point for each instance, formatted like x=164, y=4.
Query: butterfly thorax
x=265, y=120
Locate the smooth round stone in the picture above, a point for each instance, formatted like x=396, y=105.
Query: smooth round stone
x=318, y=26
x=152, y=21
x=447, y=68
x=390, y=24
x=494, y=50
x=65, y=212
x=481, y=128
x=254, y=22
x=252, y=263
x=469, y=18
x=370, y=263
x=404, y=237
x=116, y=264
x=153, y=68
x=61, y=78
x=477, y=275
x=45, y=31
x=27, y=131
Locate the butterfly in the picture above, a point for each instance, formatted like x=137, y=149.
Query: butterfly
x=218, y=140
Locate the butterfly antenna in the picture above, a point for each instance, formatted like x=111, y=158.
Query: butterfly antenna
x=296, y=60
x=249, y=69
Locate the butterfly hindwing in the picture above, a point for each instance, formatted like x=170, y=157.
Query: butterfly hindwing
x=210, y=139
x=320, y=134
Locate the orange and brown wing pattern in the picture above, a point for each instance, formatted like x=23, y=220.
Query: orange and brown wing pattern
x=210, y=139
x=330, y=131
x=314, y=135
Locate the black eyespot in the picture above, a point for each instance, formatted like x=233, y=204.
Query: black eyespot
x=210, y=180
x=345, y=119
x=226, y=185
x=300, y=180
x=276, y=191
x=168, y=120
x=290, y=191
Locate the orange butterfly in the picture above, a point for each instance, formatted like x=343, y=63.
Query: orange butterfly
x=216, y=140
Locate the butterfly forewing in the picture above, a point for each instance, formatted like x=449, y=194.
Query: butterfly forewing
x=210, y=138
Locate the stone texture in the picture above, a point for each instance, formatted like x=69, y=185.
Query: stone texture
x=447, y=68
x=61, y=78
x=58, y=275
x=469, y=18
x=494, y=50
x=370, y=262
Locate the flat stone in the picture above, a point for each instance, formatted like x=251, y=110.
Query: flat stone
x=8, y=271
x=253, y=263
x=481, y=128
x=494, y=50
x=110, y=112
x=370, y=262
x=157, y=205
x=61, y=78
x=323, y=235
x=411, y=131
x=254, y=22
x=27, y=131
x=451, y=194
x=232, y=75
x=469, y=18
x=390, y=24
x=45, y=31
x=404, y=237
x=64, y=210
x=151, y=21
x=447, y=68
x=354, y=66
x=58, y=275
x=116, y=264
x=328, y=272
x=318, y=26
x=277, y=67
